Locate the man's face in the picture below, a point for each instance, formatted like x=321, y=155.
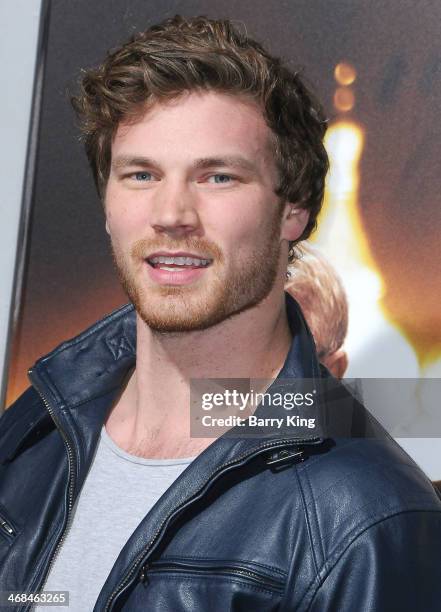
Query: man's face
x=195, y=226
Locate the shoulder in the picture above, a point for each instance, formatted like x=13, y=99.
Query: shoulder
x=375, y=529
x=23, y=419
x=27, y=403
x=359, y=483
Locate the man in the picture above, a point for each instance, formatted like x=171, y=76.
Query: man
x=207, y=153
x=316, y=286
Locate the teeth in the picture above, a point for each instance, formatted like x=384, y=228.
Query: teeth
x=171, y=269
x=179, y=261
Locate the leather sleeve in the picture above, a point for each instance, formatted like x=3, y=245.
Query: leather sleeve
x=394, y=565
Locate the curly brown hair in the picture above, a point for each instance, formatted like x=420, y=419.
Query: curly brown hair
x=181, y=55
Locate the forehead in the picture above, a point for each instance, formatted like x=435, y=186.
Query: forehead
x=199, y=124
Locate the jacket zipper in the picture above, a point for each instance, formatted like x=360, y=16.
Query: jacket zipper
x=71, y=480
x=6, y=527
x=228, y=570
x=213, y=475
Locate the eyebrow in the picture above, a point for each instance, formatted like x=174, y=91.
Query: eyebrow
x=231, y=161
x=124, y=161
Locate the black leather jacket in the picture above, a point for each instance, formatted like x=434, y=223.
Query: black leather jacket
x=354, y=526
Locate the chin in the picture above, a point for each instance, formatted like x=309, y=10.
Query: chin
x=184, y=317
x=180, y=318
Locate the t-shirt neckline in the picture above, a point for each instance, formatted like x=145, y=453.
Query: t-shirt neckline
x=142, y=460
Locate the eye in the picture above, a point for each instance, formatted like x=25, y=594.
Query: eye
x=142, y=176
x=220, y=179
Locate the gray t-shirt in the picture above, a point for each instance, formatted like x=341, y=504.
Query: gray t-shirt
x=118, y=492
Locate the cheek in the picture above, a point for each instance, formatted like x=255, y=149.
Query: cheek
x=123, y=222
x=234, y=234
x=241, y=220
x=248, y=229
x=121, y=229
x=117, y=204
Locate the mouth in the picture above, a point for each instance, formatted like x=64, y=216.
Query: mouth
x=177, y=262
x=176, y=268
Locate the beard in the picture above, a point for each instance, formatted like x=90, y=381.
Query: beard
x=228, y=289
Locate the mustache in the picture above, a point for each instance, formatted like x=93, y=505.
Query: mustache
x=142, y=248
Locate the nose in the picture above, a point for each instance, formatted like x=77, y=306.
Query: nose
x=174, y=210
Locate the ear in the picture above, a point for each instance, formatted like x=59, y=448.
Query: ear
x=294, y=221
x=337, y=362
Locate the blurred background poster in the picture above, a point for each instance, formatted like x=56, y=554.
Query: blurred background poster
x=377, y=68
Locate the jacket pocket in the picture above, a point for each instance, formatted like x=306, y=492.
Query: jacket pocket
x=250, y=573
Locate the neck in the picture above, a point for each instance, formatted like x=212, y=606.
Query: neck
x=151, y=417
